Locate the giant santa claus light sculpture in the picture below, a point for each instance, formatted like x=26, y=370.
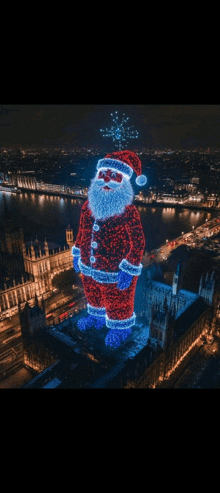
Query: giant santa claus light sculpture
x=109, y=247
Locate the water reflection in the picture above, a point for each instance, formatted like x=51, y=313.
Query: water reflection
x=168, y=213
x=46, y=215
x=42, y=198
x=62, y=203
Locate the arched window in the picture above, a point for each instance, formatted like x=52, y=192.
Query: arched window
x=19, y=296
x=3, y=303
x=14, y=302
x=10, y=297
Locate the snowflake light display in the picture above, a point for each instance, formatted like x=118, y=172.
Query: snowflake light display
x=120, y=132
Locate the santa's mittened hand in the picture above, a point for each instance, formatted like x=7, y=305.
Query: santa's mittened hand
x=124, y=280
x=76, y=264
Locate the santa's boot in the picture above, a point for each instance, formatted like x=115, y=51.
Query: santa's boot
x=119, y=331
x=85, y=323
x=116, y=337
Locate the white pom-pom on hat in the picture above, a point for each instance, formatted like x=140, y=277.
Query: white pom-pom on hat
x=141, y=180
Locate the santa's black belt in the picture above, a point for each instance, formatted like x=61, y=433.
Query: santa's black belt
x=98, y=275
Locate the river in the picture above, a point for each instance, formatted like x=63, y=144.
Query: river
x=48, y=216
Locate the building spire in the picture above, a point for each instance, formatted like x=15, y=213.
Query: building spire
x=69, y=236
x=165, y=305
x=32, y=250
x=201, y=283
x=46, y=248
x=24, y=249
x=176, y=279
x=207, y=276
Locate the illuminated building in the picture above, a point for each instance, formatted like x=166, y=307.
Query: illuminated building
x=20, y=180
x=32, y=317
x=12, y=355
x=36, y=354
x=161, y=303
x=83, y=361
x=41, y=261
x=177, y=319
x=177, y=197
x=37, y=262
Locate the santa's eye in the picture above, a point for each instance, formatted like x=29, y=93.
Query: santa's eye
x=116, y=176
x=101, y=174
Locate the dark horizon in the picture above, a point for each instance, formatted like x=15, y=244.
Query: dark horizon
x=160, y=126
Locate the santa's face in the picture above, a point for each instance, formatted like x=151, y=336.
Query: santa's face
x=112, y=179
x=109, y=193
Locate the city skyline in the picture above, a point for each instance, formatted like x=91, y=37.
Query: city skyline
x=48, y=156
x=159, y=125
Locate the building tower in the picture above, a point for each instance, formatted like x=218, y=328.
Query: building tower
x=37, y=263
x=46, y=247
x=207, y=287
x=69, y=236
x=176, y=279
x=32, y=318
x=161, y=324
x=170, y=327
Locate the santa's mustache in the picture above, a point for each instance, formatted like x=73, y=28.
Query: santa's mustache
x=111, y=184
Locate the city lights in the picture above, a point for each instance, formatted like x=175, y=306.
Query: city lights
x=118, y=262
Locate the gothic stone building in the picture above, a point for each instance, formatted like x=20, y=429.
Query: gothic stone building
x=162, y=305
x=41, y=260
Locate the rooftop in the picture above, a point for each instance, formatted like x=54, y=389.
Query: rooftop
x=100, y=365
x=40, y=245
x=189, y=315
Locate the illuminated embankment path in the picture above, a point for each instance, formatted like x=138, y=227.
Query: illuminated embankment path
x=205, y=230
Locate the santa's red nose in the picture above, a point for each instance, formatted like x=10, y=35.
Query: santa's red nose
x=106, y=178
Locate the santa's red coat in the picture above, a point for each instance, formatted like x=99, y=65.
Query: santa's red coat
x=110, y=241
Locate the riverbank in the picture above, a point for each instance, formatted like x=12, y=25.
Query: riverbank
x=177, y=206
x=154, y=203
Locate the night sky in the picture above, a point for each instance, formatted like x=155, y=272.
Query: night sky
x=160, y=126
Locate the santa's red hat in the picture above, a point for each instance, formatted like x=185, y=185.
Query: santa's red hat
x=125, y=162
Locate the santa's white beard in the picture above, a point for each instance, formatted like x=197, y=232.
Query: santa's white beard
x=108, y=203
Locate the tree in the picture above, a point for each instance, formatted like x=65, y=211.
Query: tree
x=65, y=280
